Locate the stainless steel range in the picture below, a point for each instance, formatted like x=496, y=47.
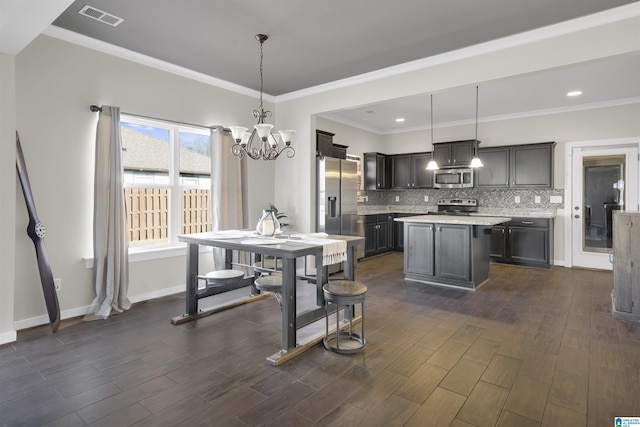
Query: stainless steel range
x=457, y=206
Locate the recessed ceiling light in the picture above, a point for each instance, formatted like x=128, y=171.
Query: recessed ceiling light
x=574, y=93
x=400, y=120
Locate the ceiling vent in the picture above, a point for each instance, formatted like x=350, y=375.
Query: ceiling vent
x=101, y=16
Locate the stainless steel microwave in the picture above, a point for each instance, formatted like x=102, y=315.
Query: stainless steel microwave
x=453, y=178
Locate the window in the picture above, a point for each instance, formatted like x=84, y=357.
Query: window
x=167, y=180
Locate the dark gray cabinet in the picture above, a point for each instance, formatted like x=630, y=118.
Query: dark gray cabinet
x=419, y=256
x=376, y=171
x=626, y=266
x=456, y=153
x=523, y=241
x=378, y=234
x=324, y=143
x=446, y=254
x=532, y=166
x=516, y=166
x=398, y=232
x=452, y=246
x=410, y=171
x=495, y=172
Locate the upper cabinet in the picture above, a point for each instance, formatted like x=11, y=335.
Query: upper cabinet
x=376, y=171
x=326, y=148
x=516, y=166
x=453, y=154
x=410, y=171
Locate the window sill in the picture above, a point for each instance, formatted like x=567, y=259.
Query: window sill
x=137, y=255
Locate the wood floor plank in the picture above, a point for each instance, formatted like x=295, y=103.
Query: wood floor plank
x=395, y=411
x=558, y=416
x=421, y=384
x=439, y=409
x=528, y=397
x=569, y=391
x=463, y=377
x=509, y=419
x=502, y=371
x=484, y=405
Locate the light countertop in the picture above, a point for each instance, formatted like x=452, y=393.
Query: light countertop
x=452, y=219
x=482, y=211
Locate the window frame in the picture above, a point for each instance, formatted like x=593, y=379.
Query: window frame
x=175, y=186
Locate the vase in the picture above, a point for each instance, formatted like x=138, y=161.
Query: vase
x=268, y=224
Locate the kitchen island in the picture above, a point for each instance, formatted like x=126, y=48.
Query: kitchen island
x=448, y=250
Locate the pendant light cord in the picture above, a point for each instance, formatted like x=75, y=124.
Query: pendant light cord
x=432, y=120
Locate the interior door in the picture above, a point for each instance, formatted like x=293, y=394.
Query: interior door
x=603, y=180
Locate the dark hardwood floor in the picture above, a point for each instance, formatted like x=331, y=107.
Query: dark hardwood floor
x=529, y=348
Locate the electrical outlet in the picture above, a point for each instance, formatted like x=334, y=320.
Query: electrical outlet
x=397, y=198
x=57, y=283
x=426, y=198
x=537, y=199
x=555, y=199
x=517, y=199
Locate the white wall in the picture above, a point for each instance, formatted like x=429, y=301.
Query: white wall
x=7, y=194
x=56, y=82
x=359, y=141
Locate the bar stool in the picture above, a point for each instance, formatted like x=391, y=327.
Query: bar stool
x=344, y=293
x=270, y=283
x=220, y=278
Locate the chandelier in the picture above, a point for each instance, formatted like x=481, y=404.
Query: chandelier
x=267, y=145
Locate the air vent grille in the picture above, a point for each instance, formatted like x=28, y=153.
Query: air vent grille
x=100, y=15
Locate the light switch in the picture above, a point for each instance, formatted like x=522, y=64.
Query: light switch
x=426, y=198
x=537, y=199
x=397, y=198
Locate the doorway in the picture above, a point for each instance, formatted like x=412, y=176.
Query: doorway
x=604, y=179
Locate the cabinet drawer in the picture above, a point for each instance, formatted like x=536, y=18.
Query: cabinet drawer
x=529, y=222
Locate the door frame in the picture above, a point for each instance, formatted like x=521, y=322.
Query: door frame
x=605, y=144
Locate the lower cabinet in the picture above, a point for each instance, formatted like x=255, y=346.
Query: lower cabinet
x=398, y=232
x=446, y=254
x=378, y=234
x=452, y=245
x=523, y=241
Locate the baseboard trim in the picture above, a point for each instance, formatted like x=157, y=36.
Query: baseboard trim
x=81, y=311
x=7, y=337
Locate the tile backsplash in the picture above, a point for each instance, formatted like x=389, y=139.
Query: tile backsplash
x=487, y=198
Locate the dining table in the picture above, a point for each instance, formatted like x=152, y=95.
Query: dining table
x=287, y=248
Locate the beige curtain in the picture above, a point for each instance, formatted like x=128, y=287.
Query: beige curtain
x=228, y=188
x=110, y=246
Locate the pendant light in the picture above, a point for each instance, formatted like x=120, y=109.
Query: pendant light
x=261, y=143
x=476, y=162
x=432, y=165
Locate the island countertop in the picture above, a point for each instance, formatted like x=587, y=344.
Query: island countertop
x=452, y=219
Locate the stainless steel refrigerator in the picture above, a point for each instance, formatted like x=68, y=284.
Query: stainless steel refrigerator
x=337, y=185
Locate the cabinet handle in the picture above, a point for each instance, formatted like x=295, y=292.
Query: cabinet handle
x=611, y=257
x=527, y=222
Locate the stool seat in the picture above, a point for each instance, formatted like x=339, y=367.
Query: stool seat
x=346, y=293
x=344, y=288
x=221, y=277
x=269, y=283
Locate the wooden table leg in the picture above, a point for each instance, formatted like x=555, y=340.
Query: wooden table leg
x=192, y=278
x=288, y=304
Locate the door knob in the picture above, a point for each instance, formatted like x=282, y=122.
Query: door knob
x=576, y=216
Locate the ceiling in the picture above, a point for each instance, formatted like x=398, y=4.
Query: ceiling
x=316, y=42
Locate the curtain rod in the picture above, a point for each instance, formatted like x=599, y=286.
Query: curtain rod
x=96, y=109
